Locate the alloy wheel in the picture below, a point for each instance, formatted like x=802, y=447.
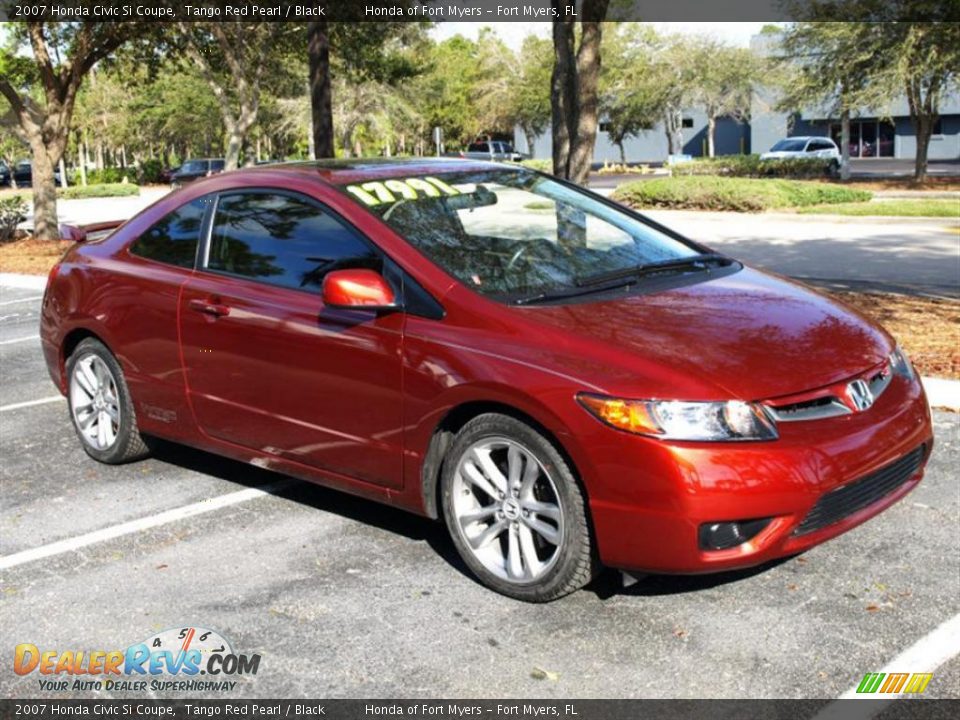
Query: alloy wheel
x=508, y=510
x=94, y=402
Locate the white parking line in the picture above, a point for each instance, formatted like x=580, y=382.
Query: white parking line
x=19, y=340
x=21, y=300
x=31, y=403
x=133, y=526
x=925, y=655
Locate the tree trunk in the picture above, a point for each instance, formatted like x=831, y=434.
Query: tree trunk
x=845, y=145
x=563, y=84
x=711, y=135
x=63, y=173
x=587, y=97
x=318, y=52
x=531, y=139
x=45, y=225
x=82, y=160
x=673, y=126
x=623, y=152
x=234, y=143
x=923, y=128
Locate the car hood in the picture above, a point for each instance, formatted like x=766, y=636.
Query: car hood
x=748, y=335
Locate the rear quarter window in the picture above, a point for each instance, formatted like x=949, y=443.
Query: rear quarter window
x=174, y=239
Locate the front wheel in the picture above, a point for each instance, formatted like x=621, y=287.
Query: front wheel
x=101, y=407
x=515, y=511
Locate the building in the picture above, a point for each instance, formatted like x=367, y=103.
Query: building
x=873, y=134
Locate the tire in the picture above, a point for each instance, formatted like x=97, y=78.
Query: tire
x=96, y=387
x=515, y=511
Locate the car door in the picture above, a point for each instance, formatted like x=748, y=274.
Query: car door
x=267, y=366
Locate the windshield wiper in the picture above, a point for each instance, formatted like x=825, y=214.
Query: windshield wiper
x=695, y=262
x=571, y=292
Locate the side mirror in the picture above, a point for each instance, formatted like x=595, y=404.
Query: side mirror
x=358, y=289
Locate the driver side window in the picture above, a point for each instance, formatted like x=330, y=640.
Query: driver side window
x=283, y=240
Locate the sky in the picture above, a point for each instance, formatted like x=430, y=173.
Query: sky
x=512, y=33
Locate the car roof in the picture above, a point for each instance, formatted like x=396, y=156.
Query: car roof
x=349, y=170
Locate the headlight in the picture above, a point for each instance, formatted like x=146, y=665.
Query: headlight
x=901, y=364
x=675, y=420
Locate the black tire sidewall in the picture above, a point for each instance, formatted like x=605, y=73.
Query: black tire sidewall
x=561, y=578
x=127, y=432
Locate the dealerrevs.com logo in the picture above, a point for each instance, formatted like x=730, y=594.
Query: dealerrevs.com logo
x=188, y=659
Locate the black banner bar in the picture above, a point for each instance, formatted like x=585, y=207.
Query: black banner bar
x=482, y=11
x=552, y=709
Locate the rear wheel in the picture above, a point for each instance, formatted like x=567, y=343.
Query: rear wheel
x=515, y=511
x=100, y=405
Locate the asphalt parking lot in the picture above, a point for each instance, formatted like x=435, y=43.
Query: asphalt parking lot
x=346, y=598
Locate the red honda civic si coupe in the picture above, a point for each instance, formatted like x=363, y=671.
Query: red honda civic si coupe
x=565, y=382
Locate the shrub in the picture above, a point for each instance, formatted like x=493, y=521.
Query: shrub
x=104, y=176
x=732, y=194
x=150, y=172
x=78, y=192
x=13, y=211
x=752, y=166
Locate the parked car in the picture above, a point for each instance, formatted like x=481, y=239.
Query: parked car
x=4, y=174
x=194, y=169
x=564, y=389
x=166, y=175
x=491, y=150
x=803, y=147
x=23, y=174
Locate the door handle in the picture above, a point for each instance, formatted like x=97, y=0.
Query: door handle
x=209, y=308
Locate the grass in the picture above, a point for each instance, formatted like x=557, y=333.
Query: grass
x=709, y=192
x=77, y=192
x=890, y=208
x=927, y=328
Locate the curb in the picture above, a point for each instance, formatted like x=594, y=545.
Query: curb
x=23, y=282
x=941, y=393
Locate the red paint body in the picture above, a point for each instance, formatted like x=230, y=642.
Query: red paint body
x=352, y=398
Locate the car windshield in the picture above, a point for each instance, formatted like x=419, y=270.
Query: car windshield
x=194, y=166
x=512, y=234
x=789, y=146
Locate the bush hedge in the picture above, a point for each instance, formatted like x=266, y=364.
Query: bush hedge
x=78, y=192
x=542, y=164
x=732, y=194
x=752, y=166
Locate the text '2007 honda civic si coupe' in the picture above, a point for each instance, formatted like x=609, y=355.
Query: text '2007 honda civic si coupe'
x=564, y=382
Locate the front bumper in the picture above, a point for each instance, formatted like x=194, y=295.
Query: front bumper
x=649, y=498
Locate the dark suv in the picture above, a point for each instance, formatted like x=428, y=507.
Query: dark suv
x=193, y=169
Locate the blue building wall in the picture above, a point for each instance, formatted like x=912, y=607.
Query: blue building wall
x=731, y=137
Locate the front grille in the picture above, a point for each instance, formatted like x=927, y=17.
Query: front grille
x=842, y=502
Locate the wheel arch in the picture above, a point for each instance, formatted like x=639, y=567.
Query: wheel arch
x=70, y=342
x=446, y=430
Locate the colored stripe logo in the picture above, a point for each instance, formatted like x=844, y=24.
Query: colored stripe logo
x=894, y=683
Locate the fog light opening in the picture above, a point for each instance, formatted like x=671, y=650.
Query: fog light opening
x=725, y=535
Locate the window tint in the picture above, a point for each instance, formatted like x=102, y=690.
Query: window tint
x=217, y=164
x=478, y=147
x=173, y=240
x=284, y=241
